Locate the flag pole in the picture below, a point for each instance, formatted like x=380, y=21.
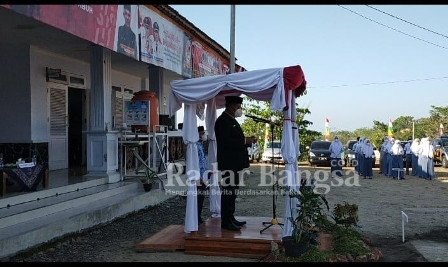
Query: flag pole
x=232, y=38
x=413, y=130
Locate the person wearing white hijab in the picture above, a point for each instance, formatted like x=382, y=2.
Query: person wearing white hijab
x=367, y=151
x=388, y=158
x=431, y=151
x=336, y=148
x=397, y=153
x=414, y=151
x=360, y=156
x=355, y=149
x=382, y=154
x=427, y=150
x=421, y=161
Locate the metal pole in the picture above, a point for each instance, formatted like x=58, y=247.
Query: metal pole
x=403, y=217
x=232, y=38
x=413, y=128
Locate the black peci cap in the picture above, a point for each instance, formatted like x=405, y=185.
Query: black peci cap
x=234, y=100
x=201, y=129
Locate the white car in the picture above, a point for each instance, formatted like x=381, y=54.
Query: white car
x=272, y=147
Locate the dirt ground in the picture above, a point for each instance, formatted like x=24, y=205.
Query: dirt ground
x=381, y=202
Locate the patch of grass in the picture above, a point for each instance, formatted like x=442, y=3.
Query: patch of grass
x=312, y=255
x=315, y=255
x=344, y=241
x=348, y=241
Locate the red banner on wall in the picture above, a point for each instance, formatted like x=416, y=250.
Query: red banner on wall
x=96, y=23
x=117, y=28
x=205, y=63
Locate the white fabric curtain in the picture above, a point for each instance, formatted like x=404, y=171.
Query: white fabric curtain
x=215, y=192
x=200, y=107
x=262, y=85
x=289, y=153
x=190, y=136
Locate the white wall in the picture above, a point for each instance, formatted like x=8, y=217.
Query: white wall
x=23, y=90
x=125, y=80
x=15, y=100
x=39, y=60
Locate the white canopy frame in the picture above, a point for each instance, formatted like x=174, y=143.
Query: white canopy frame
x=279, y=86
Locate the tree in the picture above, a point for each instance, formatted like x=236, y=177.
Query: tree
x=403, y=127
x=430, y=126
x=426, y=127
x=344, y=136
x=379, y=131
x=261, y=109
x=439, y=113
x=258, y=109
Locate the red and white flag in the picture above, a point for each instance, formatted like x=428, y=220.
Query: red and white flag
x=327, y=129
x=442, y=130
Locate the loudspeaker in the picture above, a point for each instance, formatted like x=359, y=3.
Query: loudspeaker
x=166, y=120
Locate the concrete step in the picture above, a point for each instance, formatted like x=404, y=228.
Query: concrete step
x=26, y=211
x=41, y=194
x=35, y=218
x=71, y=212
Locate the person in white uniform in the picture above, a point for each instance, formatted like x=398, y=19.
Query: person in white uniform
x=414, y=150
x=367, y=151
x=336, y=148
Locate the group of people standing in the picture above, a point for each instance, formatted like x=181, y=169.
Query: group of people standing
x=423, y=158
x=364, y=157
x=418, y=153
x=419, y=157
x=392, y=153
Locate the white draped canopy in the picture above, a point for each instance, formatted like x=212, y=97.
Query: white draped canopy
x=279, y=86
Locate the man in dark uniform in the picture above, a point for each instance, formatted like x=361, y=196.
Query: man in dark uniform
x=232, y=157
x=127, y=42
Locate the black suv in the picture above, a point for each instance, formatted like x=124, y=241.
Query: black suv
x=319, y=153
x=441, y=151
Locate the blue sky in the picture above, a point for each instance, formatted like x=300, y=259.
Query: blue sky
x=358, y=69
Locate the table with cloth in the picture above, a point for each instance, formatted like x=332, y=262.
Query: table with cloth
x=28, y=178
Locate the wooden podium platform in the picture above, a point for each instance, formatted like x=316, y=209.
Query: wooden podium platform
x=211, y=240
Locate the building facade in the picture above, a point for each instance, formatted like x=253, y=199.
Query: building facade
x=67, y=71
